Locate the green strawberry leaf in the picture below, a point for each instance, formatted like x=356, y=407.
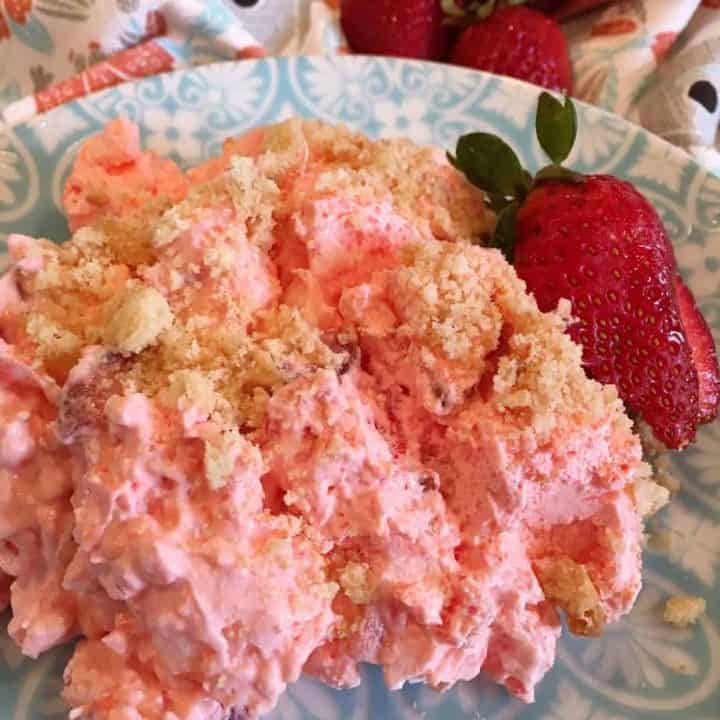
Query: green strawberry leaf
x=504, y=237
x=556, y=126
x=555, y=172
x=490, y=164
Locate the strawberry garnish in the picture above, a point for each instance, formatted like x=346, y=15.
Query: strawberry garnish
x=519, y=42
x=598, y=242
x=702, y=346
x=405, y=28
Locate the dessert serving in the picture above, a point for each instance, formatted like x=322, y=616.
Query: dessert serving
x=289, y=411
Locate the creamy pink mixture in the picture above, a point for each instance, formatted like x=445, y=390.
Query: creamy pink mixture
x=281, y=415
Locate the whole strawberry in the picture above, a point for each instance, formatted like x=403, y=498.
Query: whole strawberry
x=601, y=244
x=598, y=242
x=405, y=28
x=519, y=42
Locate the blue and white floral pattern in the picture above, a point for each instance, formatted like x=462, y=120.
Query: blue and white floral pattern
x=18, y=179
x=8, y=171
x=640, y=669
x=406, y=120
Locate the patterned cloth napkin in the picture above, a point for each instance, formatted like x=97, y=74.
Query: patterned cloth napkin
x=656, y=62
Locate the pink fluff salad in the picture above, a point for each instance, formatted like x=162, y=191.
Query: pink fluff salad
x=283, y=414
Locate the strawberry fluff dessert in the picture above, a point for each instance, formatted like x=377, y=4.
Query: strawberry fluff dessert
x=284, y=413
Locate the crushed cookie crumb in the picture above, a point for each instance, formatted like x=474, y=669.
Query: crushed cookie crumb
x=568, y=585
x=136, y=320
x=222, y=453
x=424, y=188
x=649, y=495
x=658, y=456
x=253, y=195
x=436, y=300
x=355, y=581
x=52, y=340
x=683, y=610
x=285, y=148
x=465, y=305
x=191, y=389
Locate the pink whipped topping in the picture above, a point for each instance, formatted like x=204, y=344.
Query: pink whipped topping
x=421, y=484
x=113, y=174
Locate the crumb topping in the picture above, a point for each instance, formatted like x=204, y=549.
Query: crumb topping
x=664, y=474
x=128, y=283
x=445, y=296
x=137, y=286
x=136, y=320
x=254, y=194
x=683, y=610
x=355, y=581
x=221, y=454
x=649, y=495
x=285, y=147
x=568, y=585
x=52, y=339
x=423, y=186
x=469, y=305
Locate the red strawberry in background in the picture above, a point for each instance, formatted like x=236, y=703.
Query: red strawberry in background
x=405, y=28
x=598, y=242
x=519, y=42
x=497, y=37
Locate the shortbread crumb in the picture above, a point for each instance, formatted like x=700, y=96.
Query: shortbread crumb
x=649, y=495
x=567, y=584
x=52, y=339
x=221, y=454
x=423, y=187
x=137, y=320
x=684, y=610
x=355, y=582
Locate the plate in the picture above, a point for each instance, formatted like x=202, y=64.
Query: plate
x=640, y=668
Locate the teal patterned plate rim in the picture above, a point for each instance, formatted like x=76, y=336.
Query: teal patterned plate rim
x=640, y=668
